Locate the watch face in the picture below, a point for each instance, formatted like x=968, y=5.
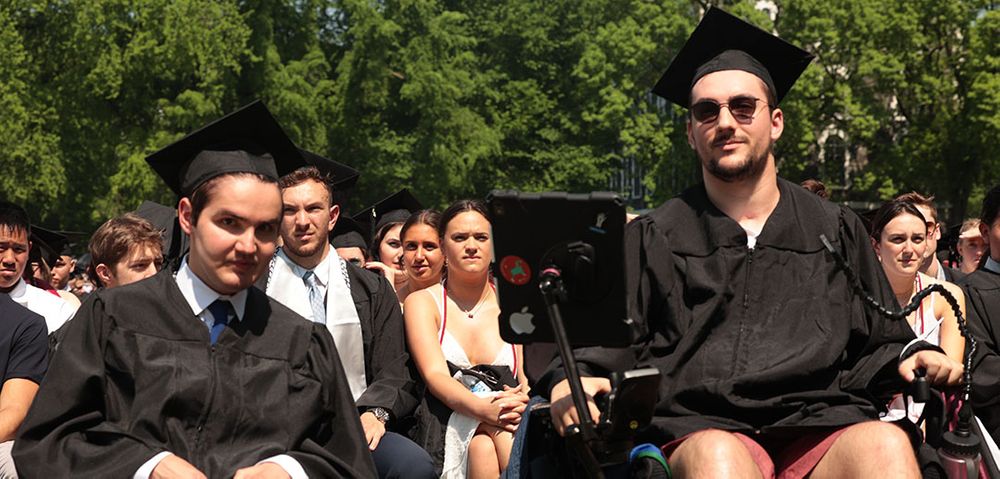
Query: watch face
x=381, y=414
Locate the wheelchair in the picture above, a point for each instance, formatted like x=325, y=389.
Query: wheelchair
x=952, y=443
x=545, y=454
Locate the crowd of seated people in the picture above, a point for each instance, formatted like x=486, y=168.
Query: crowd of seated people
x=462, y=425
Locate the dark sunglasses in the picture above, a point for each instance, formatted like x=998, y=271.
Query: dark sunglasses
x=743, y=109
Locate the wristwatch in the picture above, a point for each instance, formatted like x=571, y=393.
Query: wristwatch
x=381, y=413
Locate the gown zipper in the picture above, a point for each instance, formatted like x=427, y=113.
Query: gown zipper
x=746, y=310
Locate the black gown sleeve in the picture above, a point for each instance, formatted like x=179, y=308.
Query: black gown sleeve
x=986, y=362
x=65, y=433
x=335, y=445
x=876, y=342
x=392, y=385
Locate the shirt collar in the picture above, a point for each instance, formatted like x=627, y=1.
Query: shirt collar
x=19, y=289
x=322, y=270
x=940, y=269
x=200, y=296
x=992, y=265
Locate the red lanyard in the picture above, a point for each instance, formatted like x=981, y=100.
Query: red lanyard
x=920, y=310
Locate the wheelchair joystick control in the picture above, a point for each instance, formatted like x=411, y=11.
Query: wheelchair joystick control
x=921, y=389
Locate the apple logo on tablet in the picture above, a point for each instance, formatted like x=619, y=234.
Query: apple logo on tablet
x=522, y=322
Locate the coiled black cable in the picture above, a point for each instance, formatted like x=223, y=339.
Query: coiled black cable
x=970, y=351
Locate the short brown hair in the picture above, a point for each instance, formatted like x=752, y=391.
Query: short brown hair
x=203, y=193
x=307, y=173
x=817, y=187
x=117, y=236
x=918, y=199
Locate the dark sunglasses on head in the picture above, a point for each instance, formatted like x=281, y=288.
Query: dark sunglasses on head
x=742, y=109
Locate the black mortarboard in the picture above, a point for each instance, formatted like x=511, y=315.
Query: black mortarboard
x=394, y=209
x=342, y=177
x=246, y=140
x=724, y=42
x=47, y=244
x=348, y=233
x=164, y=218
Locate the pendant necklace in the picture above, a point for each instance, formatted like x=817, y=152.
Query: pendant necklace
x=472, y=312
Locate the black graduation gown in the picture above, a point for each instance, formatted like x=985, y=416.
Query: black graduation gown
x=982, y=292
x=388, y=366
x=136, y=375
x=769, y=339
x=952, y=275
x=388, y=369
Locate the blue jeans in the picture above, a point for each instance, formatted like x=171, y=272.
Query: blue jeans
x=521, y=467
x=517, y=466
x=397, y=457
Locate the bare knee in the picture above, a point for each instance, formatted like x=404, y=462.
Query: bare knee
x=870, y=449
x=481, y=446
x=879, y=440
x=483, y=457
x=713, y=453
x=502, y=442
x=711, y=444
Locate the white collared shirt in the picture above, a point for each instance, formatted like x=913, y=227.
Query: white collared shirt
x=992, y=265
x=940, y=270
x=54, y=309
x=322, y=272
x=285, y=285
x=199, y=297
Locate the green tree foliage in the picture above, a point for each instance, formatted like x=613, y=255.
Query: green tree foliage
x=32, y=167
x=901, y=83
x=453, y=98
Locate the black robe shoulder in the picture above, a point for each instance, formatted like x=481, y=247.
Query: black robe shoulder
x=756, y=339
x=982, y=293
x=391, y=374
x=135, y=375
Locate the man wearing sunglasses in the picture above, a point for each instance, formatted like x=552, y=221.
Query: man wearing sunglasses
x=772, y=363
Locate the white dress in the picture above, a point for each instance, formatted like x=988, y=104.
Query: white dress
x=462, y=428
x=928, y=328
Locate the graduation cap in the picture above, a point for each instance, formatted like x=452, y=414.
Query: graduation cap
x=164, y=218
x=246, y=140
x=394, y=209
x=722, y=41
x=348, y=233
x=342, y=177
x=48, y=245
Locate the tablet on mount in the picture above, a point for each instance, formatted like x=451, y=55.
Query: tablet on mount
x=581, y=236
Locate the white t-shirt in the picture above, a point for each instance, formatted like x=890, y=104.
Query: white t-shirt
x=54, y=309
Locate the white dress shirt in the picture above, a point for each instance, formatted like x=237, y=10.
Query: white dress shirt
x=285, y=285
x=199, y=297
x=54, y=309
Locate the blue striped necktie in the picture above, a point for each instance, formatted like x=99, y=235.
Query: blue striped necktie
x=315, y=297
x=220, y=313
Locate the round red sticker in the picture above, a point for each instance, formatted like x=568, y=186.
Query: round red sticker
x=515, y=270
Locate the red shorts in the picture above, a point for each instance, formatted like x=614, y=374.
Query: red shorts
x=790, y=457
